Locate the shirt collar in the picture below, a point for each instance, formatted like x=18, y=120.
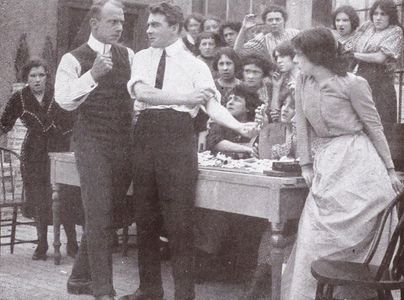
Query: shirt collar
x=98, y=46
x=172, y=49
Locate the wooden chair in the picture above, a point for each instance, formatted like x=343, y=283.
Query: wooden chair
x=330, y=274
x=11, y=198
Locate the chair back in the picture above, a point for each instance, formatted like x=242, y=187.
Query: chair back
x=395, y=247
x=11, y=187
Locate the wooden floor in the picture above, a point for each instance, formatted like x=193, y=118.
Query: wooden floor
x=21, y=278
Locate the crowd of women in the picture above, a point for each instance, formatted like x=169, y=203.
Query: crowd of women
x=325, y=96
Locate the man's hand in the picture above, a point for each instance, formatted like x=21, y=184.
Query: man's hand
x=249, y=21
x=200, y=96
x=101, y=66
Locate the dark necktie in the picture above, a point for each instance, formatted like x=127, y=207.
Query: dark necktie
x=160, y=71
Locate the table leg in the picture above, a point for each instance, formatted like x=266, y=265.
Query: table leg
x=278, y=243
x=56, y=223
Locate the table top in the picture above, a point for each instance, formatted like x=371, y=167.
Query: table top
x=216, y=173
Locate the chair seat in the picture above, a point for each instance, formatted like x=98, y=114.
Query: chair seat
x=345, y=273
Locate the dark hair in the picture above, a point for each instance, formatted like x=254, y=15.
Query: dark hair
x=350, y=12
x=252, y=101
x=207, y=35
x=274, y=8
x=320, y=47
x=236, y=26
x=33, y=63
x=284, y=49
x=260, y=62
x=231, y=54
x=389, y=7
x=96, y=8
x=195, y=16
x=210, y=18
x=173, y=13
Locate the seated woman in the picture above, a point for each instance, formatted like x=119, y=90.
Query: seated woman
x=225, y=239
x=276, y=140
x=227, y=65
x=242, y=104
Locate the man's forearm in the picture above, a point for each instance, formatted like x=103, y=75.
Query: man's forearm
x=155, y=96
x=221, y=115
x=226, y=145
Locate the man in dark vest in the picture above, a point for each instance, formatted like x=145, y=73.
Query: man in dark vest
x=92, y=80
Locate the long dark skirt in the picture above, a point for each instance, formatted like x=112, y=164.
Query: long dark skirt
x=381, y=81
x=38, y=195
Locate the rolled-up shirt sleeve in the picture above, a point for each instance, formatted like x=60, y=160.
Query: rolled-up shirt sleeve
x=72, y=88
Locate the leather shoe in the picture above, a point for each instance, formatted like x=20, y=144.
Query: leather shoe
x=141, y=295
x=79, y=286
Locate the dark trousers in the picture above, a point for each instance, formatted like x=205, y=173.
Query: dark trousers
x=105, y=175
x=165, y=173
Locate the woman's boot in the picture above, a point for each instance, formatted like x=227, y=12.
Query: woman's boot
x=259, y=283
x=42, y=232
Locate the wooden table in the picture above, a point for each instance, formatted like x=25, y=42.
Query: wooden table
x=276, y=199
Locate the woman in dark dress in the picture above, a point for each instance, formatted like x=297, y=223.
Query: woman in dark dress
x=48, y=128
x=377, y=49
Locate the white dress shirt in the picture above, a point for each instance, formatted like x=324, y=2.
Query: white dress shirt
x=71, y=87
x=183, y=74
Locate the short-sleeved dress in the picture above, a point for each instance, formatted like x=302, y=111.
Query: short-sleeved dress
x=48, y=130
x=380, y=76
x=351, y=186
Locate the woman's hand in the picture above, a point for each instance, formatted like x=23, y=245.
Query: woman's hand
x=395, y=182
x=308, y=174
x=275, y=114
x=249, y=21
x=292, y=86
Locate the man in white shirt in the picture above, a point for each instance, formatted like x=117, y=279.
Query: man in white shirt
x=170, y=85
x=92, y=81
